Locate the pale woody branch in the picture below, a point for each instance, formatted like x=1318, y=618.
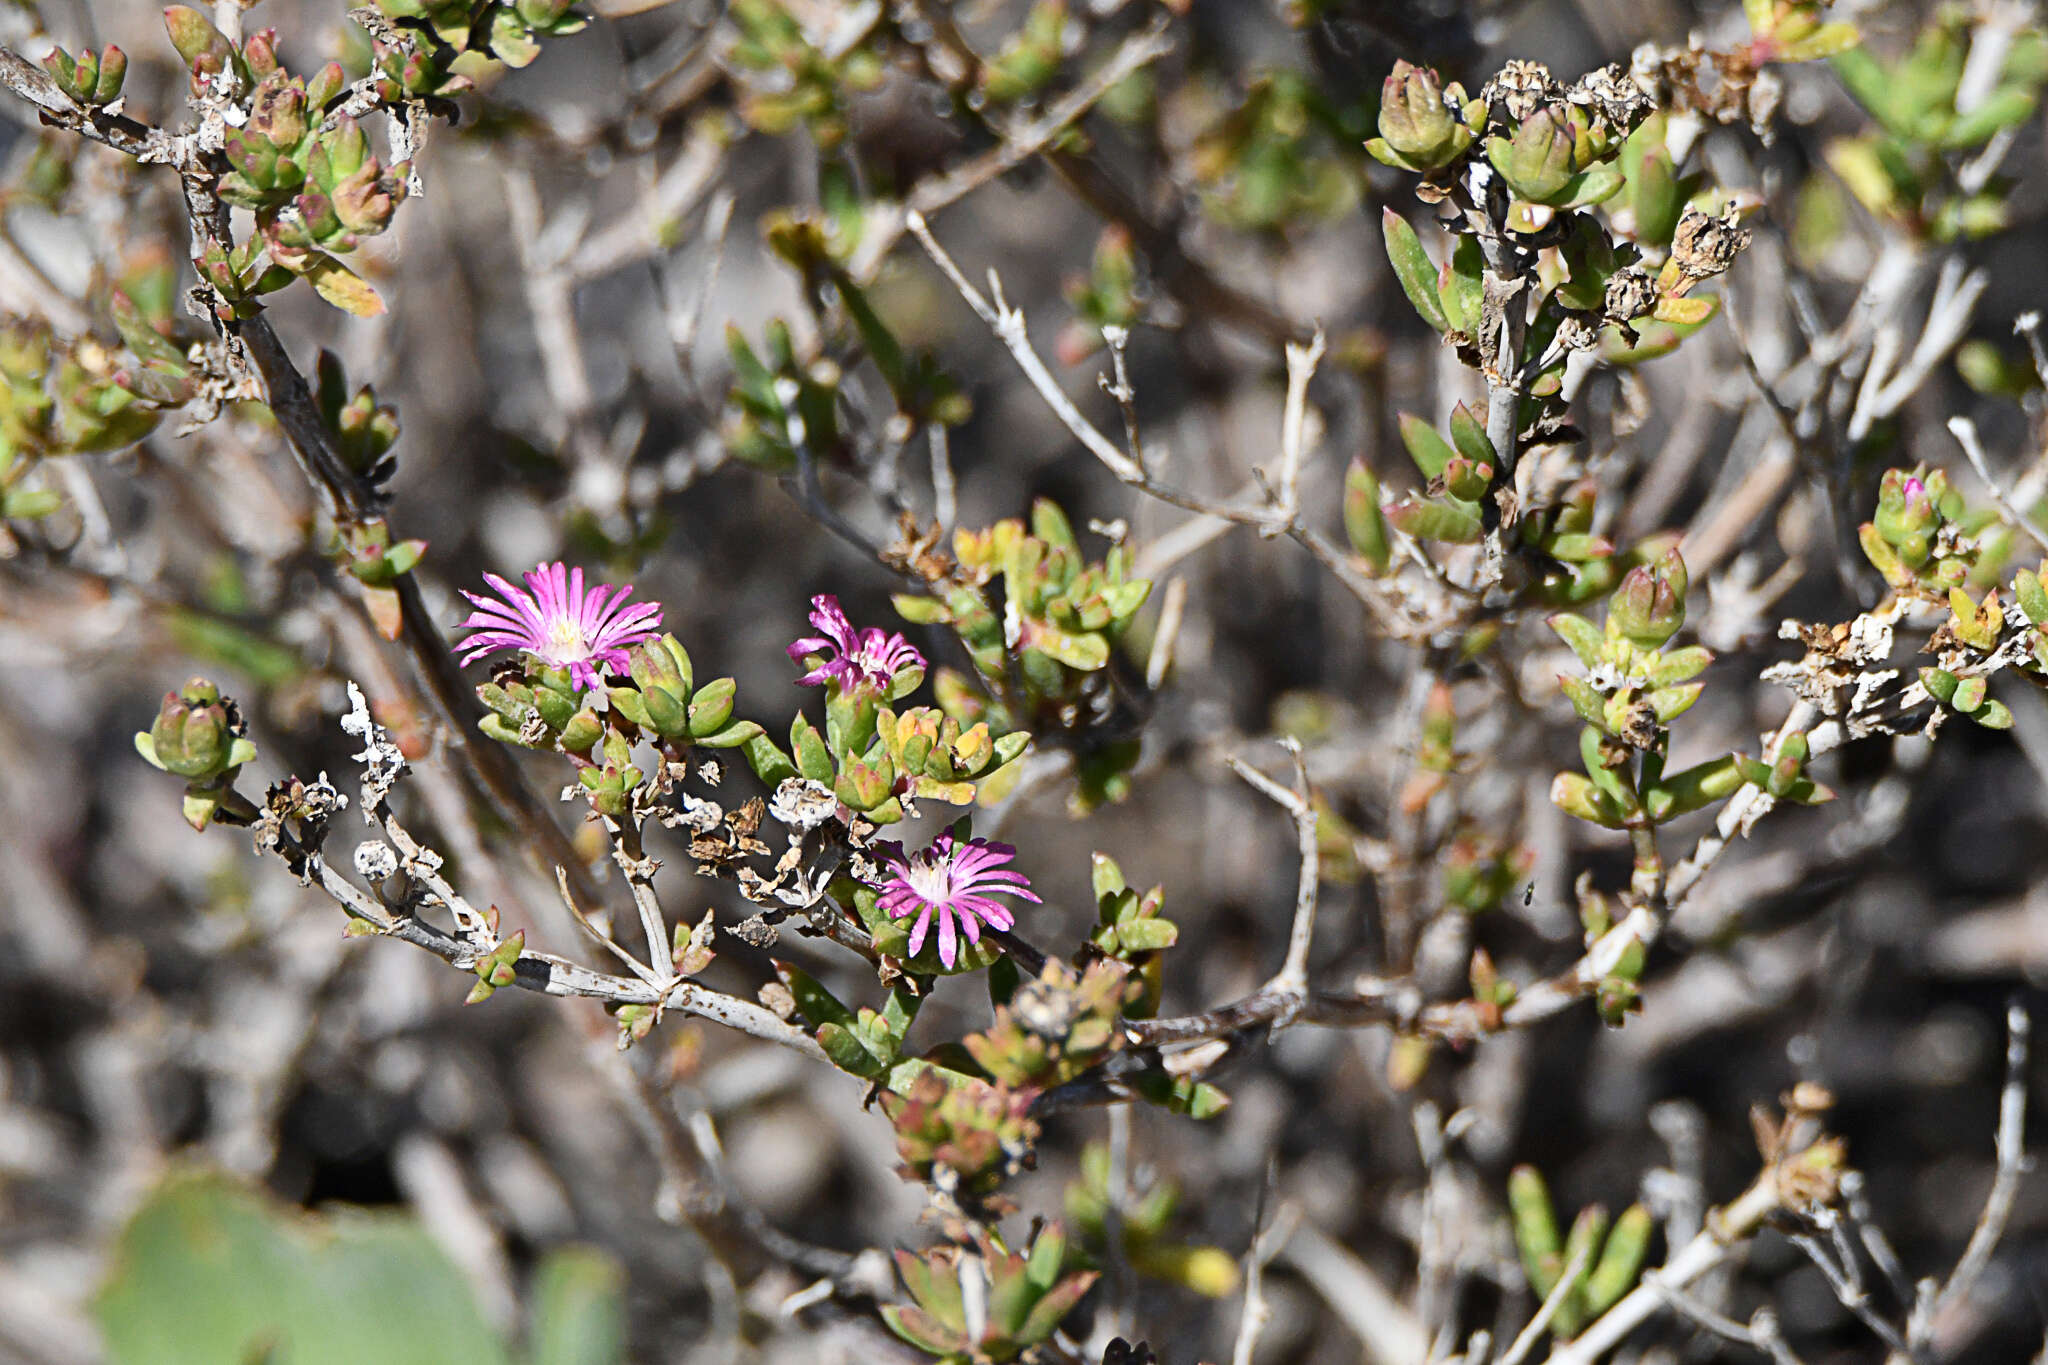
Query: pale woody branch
x=123, y=134
x=1269, y=517
x=545, y=973
x=1728, y=1229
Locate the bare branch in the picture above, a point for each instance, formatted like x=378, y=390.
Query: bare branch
x=1301, y=368
x=1727, y=1228
x=945, y=492
x=123, y=134
x=603, y=939
x=1008, y=325
x=1965, y=432
x=1293, y=974
x=1255, y=1314
x=1845, y=1278
x=1884, y=390
x=2012, y=1163
x=1267, y=516
x=637, y=234
x=1284, y=997
x=535, y=971
x=1173, y=604
x=1567, y=1284
x=2028, y=326
x=1699, y=1313
x=632, y=859
x=1382, y=1323
x=1014, y=146
x=1116, y=339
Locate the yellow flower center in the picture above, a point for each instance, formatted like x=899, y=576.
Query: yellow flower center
x=930, y=878
x=565, y=642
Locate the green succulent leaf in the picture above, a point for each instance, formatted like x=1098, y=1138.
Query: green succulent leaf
x=1430, y=451
x=1413, y=268
x=1442, y=519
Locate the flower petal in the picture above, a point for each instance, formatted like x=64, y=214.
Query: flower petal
x=554, y=618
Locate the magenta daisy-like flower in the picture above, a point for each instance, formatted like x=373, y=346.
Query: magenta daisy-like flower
x=856, y=658
x=955, y=883
x=553, y=618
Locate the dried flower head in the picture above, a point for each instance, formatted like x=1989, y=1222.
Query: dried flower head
x=1521, y=88
x=554, y=619
x=1615, y=92
x=955, y=882
x=856, y=658
x=1705, y=245
x=1630, y=293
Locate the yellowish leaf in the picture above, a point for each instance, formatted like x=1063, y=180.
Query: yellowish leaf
x=343, y=288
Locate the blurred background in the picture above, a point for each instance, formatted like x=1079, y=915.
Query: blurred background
x=556, y=349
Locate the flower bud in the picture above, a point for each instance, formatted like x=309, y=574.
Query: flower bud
x=205, y=48
x=1649, y=606
x=194, y=734
x=340, y=153
x=917, y=733
x=1589, y=139
x=1784, y=773
x=192, y=33
x=76, y=78
x=63, y=70
x=863, y=786
x=254, y=157
x=373, y=559
x=367, y=429
x=663, y=677
x=610, y=787
x=583, y=730
x=362, y=201
x=409, y=72
x=259, y=50
x=1415, y=121
x=316, y=212
x=1537, y=164
x=325, y=85
x=1466, y=480
x=1578, y=797
x=1907, y=515
x=277, y=111
x=113, y=72
x=663, y=680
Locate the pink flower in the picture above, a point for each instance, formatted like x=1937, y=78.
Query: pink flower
x=554, y=619
x=956, y=882
x=865, y=658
